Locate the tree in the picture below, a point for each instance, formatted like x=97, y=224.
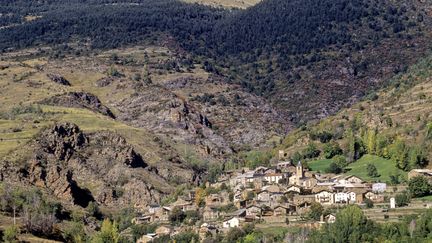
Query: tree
x=251, y=238
x=417, y=157
x=399, y=153
x=74, y=232
x=332, y=149
x=351, y=226
x=395, y=178
x=186, y=237
x=200, y=195
x=108, y=233
x=10, y=234
x=234, y=234
x=311, y=151
x=371, y=141
x=372, y=170
x=316, y=210
x=334, y=168
x=419, y=186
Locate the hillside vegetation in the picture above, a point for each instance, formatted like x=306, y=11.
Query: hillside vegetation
x=391, y=129
x=289, y=52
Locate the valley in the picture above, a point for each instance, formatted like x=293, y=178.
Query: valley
x=215, y=121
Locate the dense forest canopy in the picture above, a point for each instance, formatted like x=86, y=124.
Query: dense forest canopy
x=273, y=47
x=292, y=27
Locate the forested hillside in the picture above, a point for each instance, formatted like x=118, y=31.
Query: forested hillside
x=287, y=51
x=378, y=139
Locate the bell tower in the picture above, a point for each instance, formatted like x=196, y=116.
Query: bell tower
x=299, y=172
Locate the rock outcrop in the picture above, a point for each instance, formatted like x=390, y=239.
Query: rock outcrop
x=56, y=78
x=79, y=100
x=79, y=168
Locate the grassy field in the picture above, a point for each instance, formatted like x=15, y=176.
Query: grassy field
x=385, y=168
x=319, y=165
x=426, y=198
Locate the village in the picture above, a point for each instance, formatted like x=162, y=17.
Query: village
x=279, y=195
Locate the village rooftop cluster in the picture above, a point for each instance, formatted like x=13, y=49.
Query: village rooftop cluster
x=283, y=193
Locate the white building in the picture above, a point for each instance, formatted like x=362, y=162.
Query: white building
x=379, y=187
x=231, y=223
x=273, y=178
x=345, y=197
x=324, y=197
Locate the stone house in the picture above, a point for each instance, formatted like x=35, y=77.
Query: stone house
x=184, y=205
x=349, y=180
x=254, y=211
x=294, y=188
x=375, y=197
x=263, y=196
x=309, y=182
x=214, y=200
x=272, y=188
x=427, y=173
x=211, y=214
x=283, y=211
x=147, y=238
x=162, y=215
x=325, y=197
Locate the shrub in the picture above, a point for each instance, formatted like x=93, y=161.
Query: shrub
x=311, y=151
x=334, y=168
x=369, y=203
x=331, y=150
x=10, y=234
x=419, y=186
x=402, y=199
x=372, y=170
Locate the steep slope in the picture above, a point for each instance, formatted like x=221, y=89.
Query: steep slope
x=148, y=114
x=311, y=58
x=394, y=123
x=308, y=58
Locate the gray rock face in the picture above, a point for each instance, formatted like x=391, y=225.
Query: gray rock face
x=79, y=168
x=79, y=100
x=62, y=140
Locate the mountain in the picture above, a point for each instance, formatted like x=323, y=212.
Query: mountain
x=109, y=104
x=394, y=125
x=284, y=51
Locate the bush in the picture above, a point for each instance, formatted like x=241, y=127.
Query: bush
x=331, y=150
x=334, y=168
x=186, y=237
x=316, y=210
x=402, y=199
x=311, y=151
x=10, y=234
x=419, y=186
x=369, y=203
x=372, y=170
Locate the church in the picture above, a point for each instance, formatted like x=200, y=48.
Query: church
x=302, y=178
